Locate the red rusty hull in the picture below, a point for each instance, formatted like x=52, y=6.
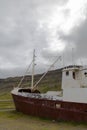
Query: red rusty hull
x=56, y=110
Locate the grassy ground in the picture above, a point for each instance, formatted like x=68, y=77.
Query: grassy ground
x=6, y=95
x=6, y=104
x=13, y=120
x=44, y=89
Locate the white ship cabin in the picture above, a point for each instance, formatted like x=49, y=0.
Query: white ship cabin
x=74, y=84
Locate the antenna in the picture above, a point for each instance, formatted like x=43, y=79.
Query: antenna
x=81, y=61
x=63, y=60
x=72, y=56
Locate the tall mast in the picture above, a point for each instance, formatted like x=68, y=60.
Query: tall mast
x=32, y=82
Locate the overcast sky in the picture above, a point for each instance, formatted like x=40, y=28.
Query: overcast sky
x=51, y=27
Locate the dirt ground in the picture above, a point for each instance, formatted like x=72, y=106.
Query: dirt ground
x=17, y=121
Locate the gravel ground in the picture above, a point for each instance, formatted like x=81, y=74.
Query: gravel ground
x=16, y=121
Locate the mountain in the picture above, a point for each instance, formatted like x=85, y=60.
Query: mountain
x=52, y=81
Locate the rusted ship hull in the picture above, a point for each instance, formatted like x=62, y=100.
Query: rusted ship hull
x=52, y=109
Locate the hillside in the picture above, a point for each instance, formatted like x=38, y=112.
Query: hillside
x=52, y=81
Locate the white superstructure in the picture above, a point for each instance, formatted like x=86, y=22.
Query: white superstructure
x=74, y=84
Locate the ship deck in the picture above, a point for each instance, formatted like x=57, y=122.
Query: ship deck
x=49, y=95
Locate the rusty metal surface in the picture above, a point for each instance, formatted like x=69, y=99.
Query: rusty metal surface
x=58, y=110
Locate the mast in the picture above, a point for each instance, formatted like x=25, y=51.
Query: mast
x=32, y=81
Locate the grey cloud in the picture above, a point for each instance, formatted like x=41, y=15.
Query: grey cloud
x=78, y=38
x=20, y=33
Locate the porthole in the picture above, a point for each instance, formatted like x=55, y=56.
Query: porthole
x=67, y=73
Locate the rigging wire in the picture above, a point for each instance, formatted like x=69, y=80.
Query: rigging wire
x=46, y=72
x=24, y=74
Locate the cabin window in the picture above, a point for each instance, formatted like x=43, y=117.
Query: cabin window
x=73, y=75
x=85, y=74
x=67, y=73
